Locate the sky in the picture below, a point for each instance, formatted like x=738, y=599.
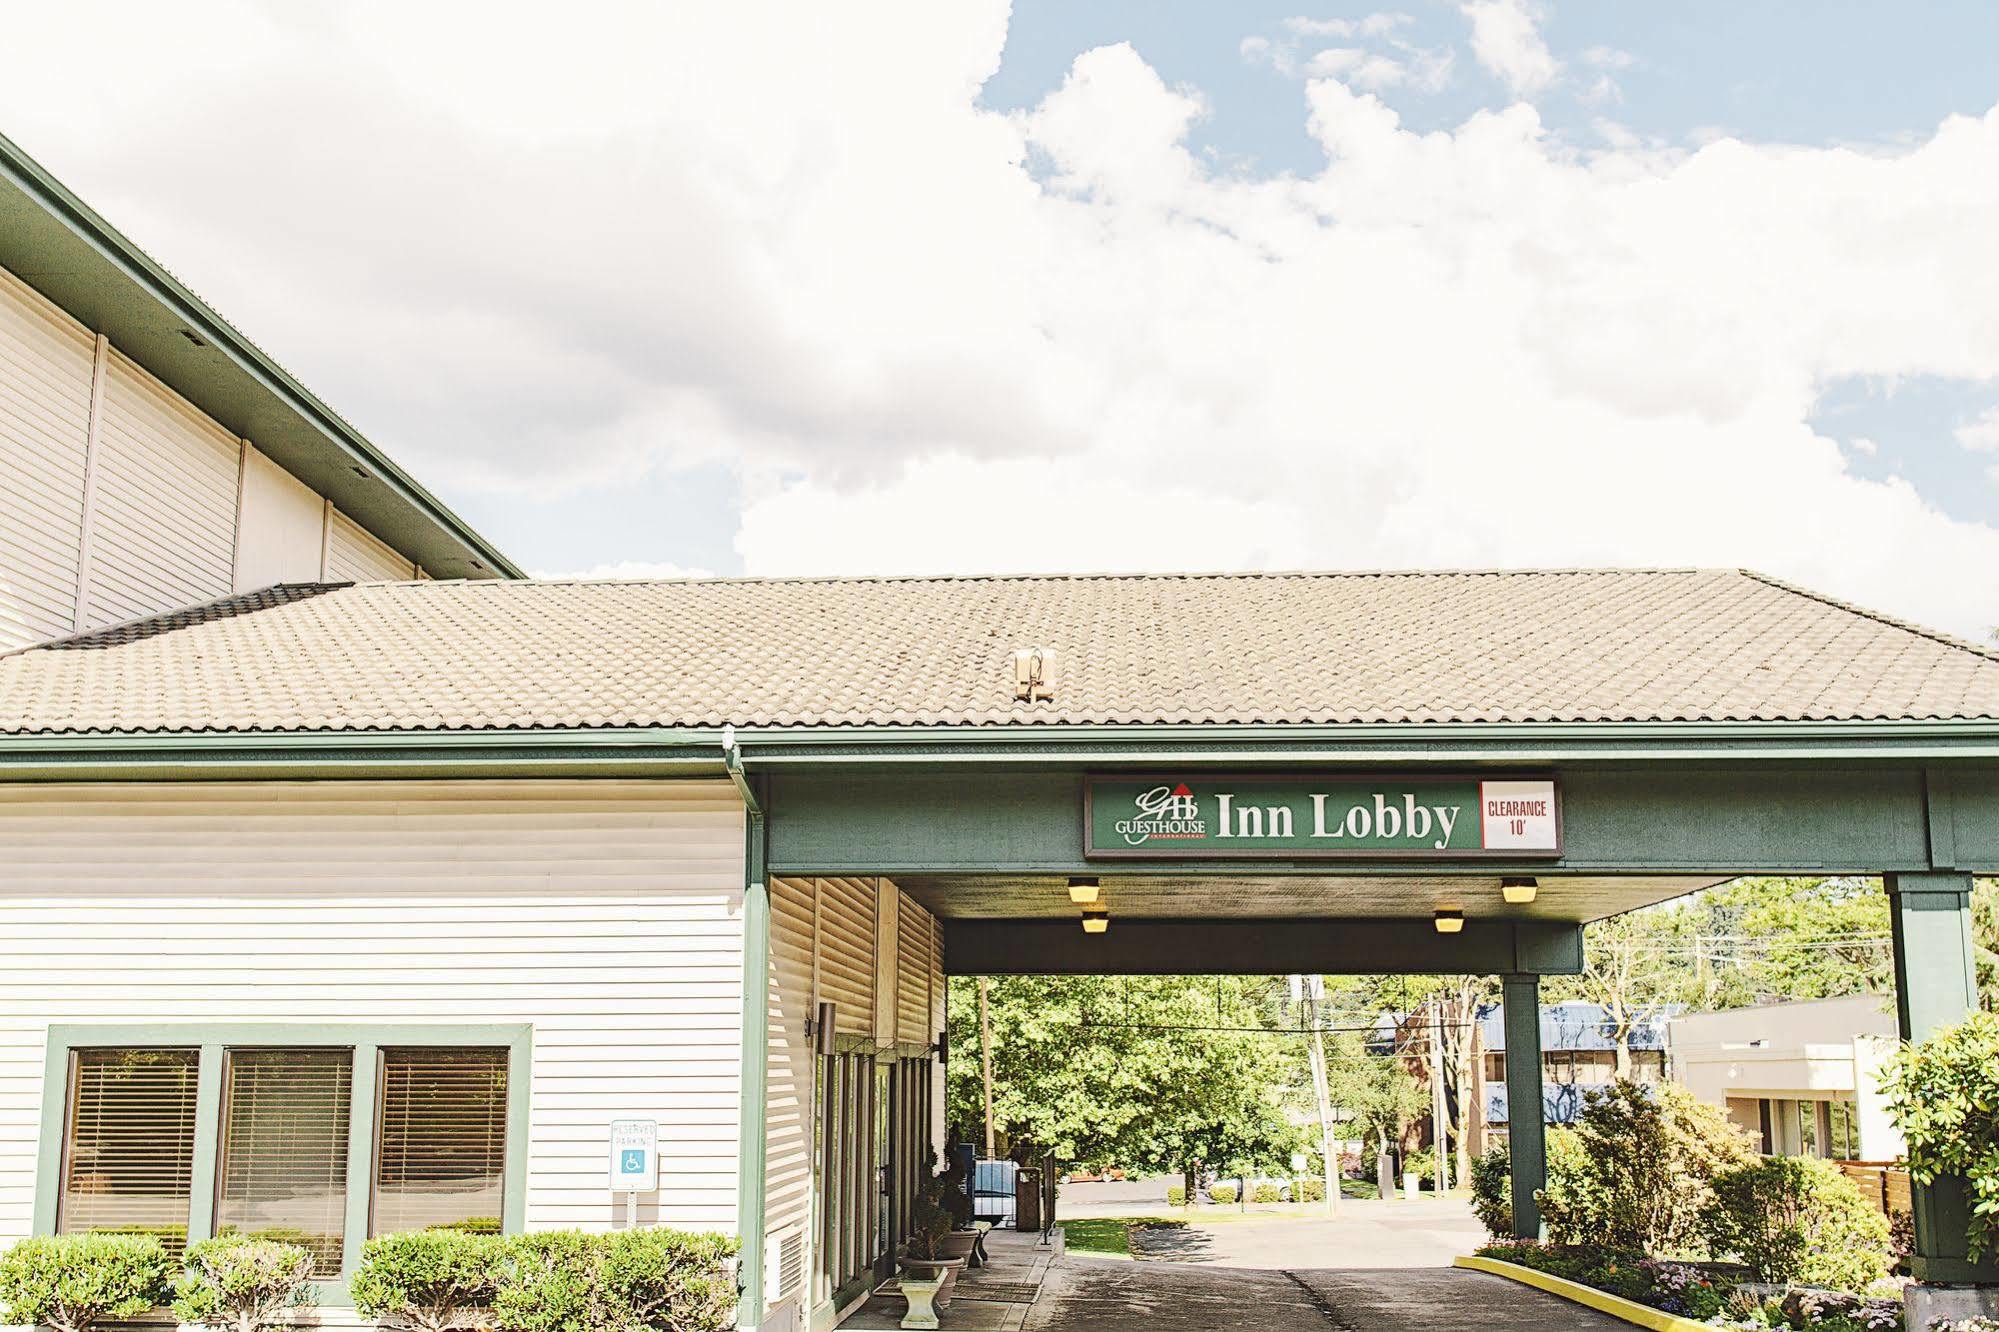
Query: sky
x=1101, y=285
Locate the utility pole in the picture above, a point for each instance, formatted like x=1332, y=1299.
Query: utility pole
x=1311, y=990
x=1439, y=1121
x=986, y=1058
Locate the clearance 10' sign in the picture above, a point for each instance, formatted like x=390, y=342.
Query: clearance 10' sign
x=1296, y=818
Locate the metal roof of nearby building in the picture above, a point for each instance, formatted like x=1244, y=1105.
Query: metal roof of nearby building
x=60, y=246
x=1330, y=649
x=1578, y=1025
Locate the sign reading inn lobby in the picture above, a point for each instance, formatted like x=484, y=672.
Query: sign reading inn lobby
x=1320, y=817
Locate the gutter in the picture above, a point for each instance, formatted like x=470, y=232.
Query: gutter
x=721, y=751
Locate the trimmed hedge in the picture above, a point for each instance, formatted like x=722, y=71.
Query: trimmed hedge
x=1221, y=1193
x=426, y=1280
x=73, y=1282
x=1266, y=1193
x=243, y=1284
x=1176, y=1195
x=1798, y=1221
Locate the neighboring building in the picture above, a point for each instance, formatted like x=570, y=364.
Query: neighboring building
x=1578, y=1052
x=154, y=458
x=1803, y=1077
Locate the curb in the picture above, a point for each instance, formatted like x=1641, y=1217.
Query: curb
x=1640, y=1315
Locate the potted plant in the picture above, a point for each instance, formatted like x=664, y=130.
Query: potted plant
x=923, y=1255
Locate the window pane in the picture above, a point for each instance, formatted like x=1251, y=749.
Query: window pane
x=443, y=1139
x=284, y=1149
x=128, y=1149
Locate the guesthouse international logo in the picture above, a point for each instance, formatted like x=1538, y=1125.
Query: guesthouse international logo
x=1169, y=813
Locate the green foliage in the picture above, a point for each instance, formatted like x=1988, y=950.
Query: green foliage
x=547, y=1282
x=1675, y=1288
x=1379, y=1094
x=929, y=1224
x=1114, y=1070
x=73, y=1282
x=1798, y=1220
x=1311, y=1190
x=1944, y=1095
x=667, y=1281
x=1221, y=1193
x=1422, y=1163
x=242, y=1284
x=1492, y=1191
x=1266, y=1193
x=427, y=1280
x=1634, y=1175
x=1176, y=1195
x=659, y=1279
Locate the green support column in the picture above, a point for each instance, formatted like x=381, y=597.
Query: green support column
x=1936, y=985
x=1526, y=1134
x=753, y=1146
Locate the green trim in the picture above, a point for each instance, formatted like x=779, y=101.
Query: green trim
x=214, y=1039
x=242, y=390
x=1113, y=745
x=753, y=1144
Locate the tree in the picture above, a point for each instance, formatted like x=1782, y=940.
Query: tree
x=1141, y=1073
x=1376, y=1091
x=1630, y=972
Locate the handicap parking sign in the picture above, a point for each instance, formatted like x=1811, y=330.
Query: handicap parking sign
x=634, y=1155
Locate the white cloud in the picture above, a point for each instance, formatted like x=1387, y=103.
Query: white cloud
x=1506, y=38
x=1862, y=444
x=624, y=571
x=1981, y=434
x=934, y=337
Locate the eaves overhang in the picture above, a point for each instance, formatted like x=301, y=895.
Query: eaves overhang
x=60, y=246
x=701, y=751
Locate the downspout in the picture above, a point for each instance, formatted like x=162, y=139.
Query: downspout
x=753, y=1145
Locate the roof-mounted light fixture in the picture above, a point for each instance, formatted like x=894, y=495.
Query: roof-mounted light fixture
x=1083, y=890
x=1450, y=920
x=1033, y=674
x=1518, y=892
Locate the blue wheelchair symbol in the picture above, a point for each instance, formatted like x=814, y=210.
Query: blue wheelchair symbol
x=632, y=1161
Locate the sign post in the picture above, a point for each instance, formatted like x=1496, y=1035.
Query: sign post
x=634, y=1163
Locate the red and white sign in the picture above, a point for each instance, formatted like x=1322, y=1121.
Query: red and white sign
x=1519, y=816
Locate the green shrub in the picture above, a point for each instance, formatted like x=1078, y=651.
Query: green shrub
x=427, y=1280
x=1943, y=1093
x=1221, y=1193
x=242, y=1284
x=1633, y=1175
x=1266, y=1193
x=668, y=1281
x=1492, y=1191
x=1176, y=1195
x=1311, y=1190
x=547, y=1282
x=1423, y=1165
x=73, y=1282
x=1798, y=1220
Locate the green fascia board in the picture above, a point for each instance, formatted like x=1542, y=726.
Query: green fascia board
x=60, y=246
x=700, y=750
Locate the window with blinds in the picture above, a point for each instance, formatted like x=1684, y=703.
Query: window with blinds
x=285, y=1117
x=128, y=1146
x=441, y=1139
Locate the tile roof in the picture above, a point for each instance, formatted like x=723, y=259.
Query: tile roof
x=1552, y=646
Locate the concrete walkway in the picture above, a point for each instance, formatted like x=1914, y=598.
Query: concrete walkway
x=1085, y=1295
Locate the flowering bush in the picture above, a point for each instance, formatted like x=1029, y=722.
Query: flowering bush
x=1814, y=1311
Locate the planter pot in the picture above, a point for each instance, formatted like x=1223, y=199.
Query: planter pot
x=944, y=1270
x=1411, y=1183
x=958, y=1244
x=922, y=1297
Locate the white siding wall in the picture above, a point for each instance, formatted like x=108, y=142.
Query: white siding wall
x=825, y=937
x=175, y=511
x=280, y=531
x=353, y=554
x=45, y=376
x=607, y=914
x=164, y=530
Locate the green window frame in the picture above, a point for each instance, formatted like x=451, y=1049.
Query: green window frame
x=215, y=1040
